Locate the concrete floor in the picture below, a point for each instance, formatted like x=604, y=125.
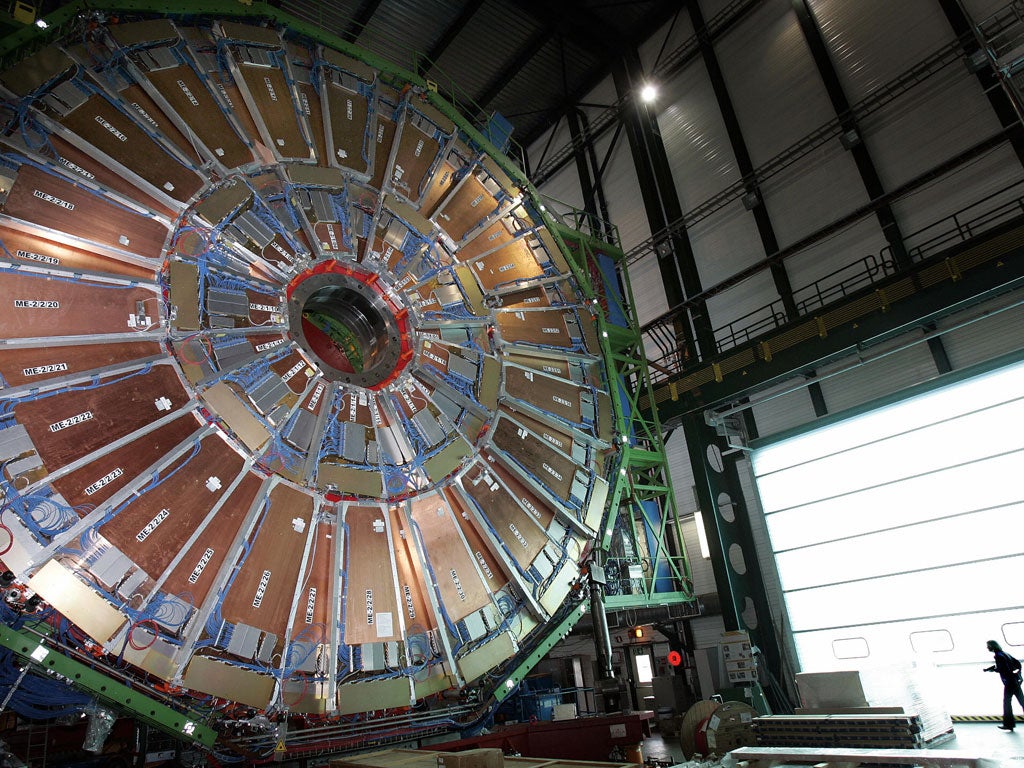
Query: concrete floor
x=983, y=738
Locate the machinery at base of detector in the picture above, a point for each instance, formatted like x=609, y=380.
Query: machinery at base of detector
x=322, y=426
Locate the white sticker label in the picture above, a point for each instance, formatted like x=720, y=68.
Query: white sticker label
x=76, y=168
x=385, y=625
x=519, y=537
x=117, y=134
x=55, y=200
x=290, y=374
x=39, y=369
x=409, y=607
x=105, y=480
x=310, y=605
x=151, y=526
x=261, y=589
x=36, y=304
x=32, y=256
x=552, y=471
x=458, y=584
x=71, y=421
x=315, y=398
x=200, y=566
x=188, y=94
x=269, y=345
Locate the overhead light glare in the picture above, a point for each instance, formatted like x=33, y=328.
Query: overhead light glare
x=702, y=537
x=648, y=93
x=41, y=23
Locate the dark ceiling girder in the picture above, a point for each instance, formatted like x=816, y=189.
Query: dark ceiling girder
x=765, y=230
x=576, y=23
x=1001, y=103
x=837, y=225
x=361, y=19
x=533, y=45
x=664, y=11
x=859, y=151
x=583, y=28
x=448, y=36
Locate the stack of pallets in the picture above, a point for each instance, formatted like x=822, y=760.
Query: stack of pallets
x=862, y=731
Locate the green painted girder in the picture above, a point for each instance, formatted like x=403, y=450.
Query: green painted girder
x=643, y=469
x=551, y=638
x=35, y=650
x=953, y=280
x=623, y=602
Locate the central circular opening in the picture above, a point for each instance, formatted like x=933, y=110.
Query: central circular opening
x=347, y=326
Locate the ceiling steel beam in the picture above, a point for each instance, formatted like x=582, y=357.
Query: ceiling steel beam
x=1001, y=103
x=360, y=20
x=448, y=36
x=763, y=222
x=687, y=52
x=498, y=83
x=576, y=23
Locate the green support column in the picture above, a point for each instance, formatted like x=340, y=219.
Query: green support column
x=643, y=481
x=730, y=539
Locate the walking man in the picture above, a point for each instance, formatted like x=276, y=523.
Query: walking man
x=1009, y=670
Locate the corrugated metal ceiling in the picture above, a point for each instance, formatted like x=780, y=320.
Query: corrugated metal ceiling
x=525, y=59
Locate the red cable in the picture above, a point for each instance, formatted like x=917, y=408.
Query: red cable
x=156, y=632
x=10, y=543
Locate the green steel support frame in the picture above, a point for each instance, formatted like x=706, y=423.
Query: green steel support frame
x=643, y=477
x=36, y=651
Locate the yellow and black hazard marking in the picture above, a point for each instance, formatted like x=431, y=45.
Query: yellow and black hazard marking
x=982, y=719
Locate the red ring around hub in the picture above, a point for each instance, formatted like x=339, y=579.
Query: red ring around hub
x=372, y=281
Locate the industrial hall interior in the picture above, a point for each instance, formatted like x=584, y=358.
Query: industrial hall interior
x=493, y=384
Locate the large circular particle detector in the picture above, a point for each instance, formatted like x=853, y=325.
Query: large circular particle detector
x=302, y=407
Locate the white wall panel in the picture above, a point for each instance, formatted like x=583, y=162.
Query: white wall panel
x=762, y=542
x=543, y=148
x=707, y=633
x=622, y=191
x=701, y=573
x=929, y=470
x=995, y=334
x=933, y=122
x=745, y=311
x=672, y=34
x=712, y=8
x=785, y=411
x=648, y=289
x=988, y=175
x=821, y=187
x=772, y=81
x=877, y=378
x=467, y=69
x=724, y=243
x=563, y=187
x=872, y=41
x=681, y=471
x=813, y=271
x=697, y=146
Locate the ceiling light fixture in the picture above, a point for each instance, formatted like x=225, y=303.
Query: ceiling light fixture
x=648, y=93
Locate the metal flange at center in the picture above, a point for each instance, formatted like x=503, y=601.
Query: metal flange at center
x=348, y=321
